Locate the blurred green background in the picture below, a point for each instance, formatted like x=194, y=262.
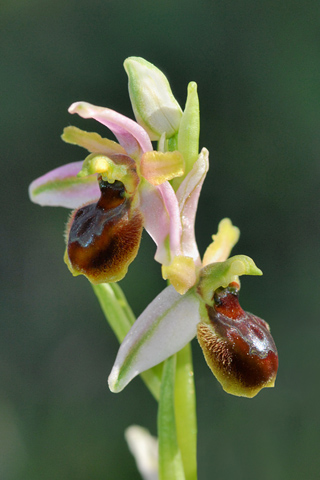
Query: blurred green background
x=257, y=65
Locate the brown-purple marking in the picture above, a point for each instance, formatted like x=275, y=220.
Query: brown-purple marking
x=104, y=237
x=238, y=345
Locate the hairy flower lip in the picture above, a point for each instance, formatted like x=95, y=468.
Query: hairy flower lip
x=64, y=187
x=167, y=325
x=237, y=346
x=168, y=217
x=103, y=238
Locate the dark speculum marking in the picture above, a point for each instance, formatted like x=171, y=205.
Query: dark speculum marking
x=238, y=345
x=104, y=237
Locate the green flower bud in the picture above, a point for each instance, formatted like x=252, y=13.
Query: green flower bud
x=153, y=103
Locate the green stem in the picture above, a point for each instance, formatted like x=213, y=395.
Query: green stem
x=121, y=318
x=115, y=308
x=170, y=461
x=185, y=410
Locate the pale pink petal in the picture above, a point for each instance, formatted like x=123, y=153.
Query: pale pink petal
x=130, y=135
x=188, y=195
x=166, y=326
x=172, y=206
x=156, y=220
x=160, y=209
x=62, y=188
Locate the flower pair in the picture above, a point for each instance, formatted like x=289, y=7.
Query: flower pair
x=121, y=188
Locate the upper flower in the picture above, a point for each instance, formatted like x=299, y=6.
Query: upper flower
x=122, y=187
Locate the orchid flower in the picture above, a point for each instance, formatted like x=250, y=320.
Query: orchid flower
x=122, y=187
x=103, y=234
x=237, y=346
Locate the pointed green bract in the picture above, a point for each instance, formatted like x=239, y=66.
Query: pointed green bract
x=221, y=274
x=189, y=131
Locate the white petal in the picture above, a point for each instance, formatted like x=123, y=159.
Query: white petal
x=144, y=448
x=166, y=326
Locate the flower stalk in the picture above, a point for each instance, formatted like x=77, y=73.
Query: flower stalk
x=185, y=411
x=170, y=460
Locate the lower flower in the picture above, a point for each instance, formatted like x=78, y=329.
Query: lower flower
x=237, y=345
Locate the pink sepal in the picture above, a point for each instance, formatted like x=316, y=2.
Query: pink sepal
x=62, y=188
x=161, y=214
x=165, y=326
x=130, y=135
